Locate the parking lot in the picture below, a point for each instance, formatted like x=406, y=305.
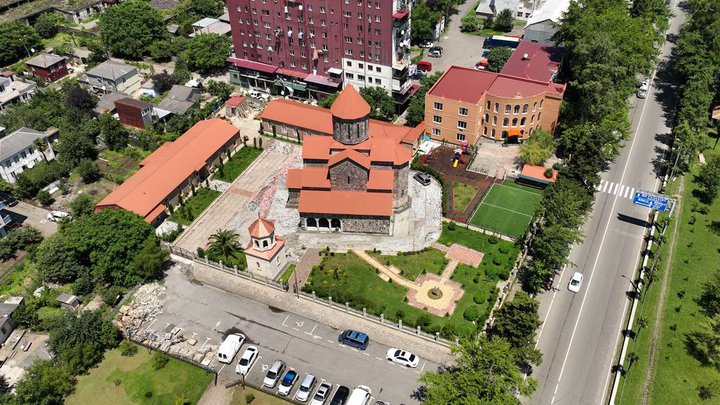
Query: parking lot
x=207, y=314
x=28, y=214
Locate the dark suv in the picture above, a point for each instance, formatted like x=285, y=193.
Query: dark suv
x=9, y=200
x=341, y=395
x=422, y=178
x=354, y=339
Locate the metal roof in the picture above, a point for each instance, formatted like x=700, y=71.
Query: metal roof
x=17, y=141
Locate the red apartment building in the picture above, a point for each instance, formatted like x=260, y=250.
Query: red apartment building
x=312, y=48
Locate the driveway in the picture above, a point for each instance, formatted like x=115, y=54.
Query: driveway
x=207, y=314
x=459, y=49
x=28, y=214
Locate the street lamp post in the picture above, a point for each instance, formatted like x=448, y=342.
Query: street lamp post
x=636, y=293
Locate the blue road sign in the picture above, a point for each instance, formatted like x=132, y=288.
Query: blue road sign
x=650, y=200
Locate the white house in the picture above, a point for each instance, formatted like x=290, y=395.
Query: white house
x=266, y=252
x=13, y=89
x=522, y=9
x=543, y=22
x=112, y=76
x=18, y=152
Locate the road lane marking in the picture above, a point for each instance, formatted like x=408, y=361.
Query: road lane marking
x=330, y=341
x=547, y=314
x=286, y=318
x=221, y=368
x=253, y=365
x=206, y=342
x=622, y=190
x=378, y=358
x=597, y=257
x=632, y=193
x=313, y=329
x=366, y=354
x=605, y=186
x=318, y=337
x=423, y=366
x=296, y=329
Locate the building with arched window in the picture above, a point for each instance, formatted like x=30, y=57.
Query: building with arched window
x=265, y=253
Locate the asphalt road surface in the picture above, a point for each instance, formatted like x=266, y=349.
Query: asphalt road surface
x=208, y=314
x=580, y=333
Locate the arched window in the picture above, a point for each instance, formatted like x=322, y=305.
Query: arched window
x=507, y=108
x=515, y=120
x=522, y=121
x=504, y=134
x=525, y=108
x=487, y=106
x=485, y=131
x=532, y=119
x=311, y=223
x=516, y=110
x=539, y=114
x=494, y=119
x=497, y=107
x=534, y=106
x=493, y=133
x=257, y=244
x=324, y=223
x=505, y=122
x=487, y=117
x=265, y=243
x=541, y=101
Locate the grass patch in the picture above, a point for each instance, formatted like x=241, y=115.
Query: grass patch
x=287, y=274
x=135, y=377
x=237, y=164
x=507, y=209
x=347, y=278
x=462, y=195
x=18, y=279
x=412, y=265
x=677, y=374
x=261, y=398
x=194, y=206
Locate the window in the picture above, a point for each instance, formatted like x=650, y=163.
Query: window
x=349, y=63
x=525, y=108
x=494, y=119
x=539, y=116
x=438, y=106
x=504, y=134
x=522, y=121
x=541, y=101
x=516, y=110
x=378, y=81
x=484, y=131
x=532, y=119
x=487, y=106
x=507, y=108
x=493, y=133
x=505, y=122
x=534, y=106
x=436, y=131
x=497, y=107
x=348, y=40
x=347, y=14
x=265, y=243
x=349, y=75
x=361, y=77
x=462, y=111
x=377, y=69
x=360, y=65
x=515, y=121
x=462, y=124
x=437, y=119
x=460, y=137
x=348, y=52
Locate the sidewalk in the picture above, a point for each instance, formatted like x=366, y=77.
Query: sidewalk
x=335, y=318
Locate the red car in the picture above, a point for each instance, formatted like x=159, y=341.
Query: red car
x=424, y=66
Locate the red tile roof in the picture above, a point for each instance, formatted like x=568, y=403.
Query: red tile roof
x=261, y=228
x=350, y=105
x=266, y=255
x=341, y=202
x=235, y=101
x=248, y=64
x=309, y=177
x=349, y=154
x=538, y=172
x=381, y=180
x=293, y=73
x=541, y=63
x=168, y=167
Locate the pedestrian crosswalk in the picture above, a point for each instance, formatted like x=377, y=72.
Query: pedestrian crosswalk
x=617, y=189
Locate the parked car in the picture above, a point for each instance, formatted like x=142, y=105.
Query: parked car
x=287, y=382
x=424, y=65
x=575, y=282
x=247, y=360
x=418, y=74
x=9, y=200
x=382, y=402
x=354, y=339
x=56, y=216
x=482, y=65
x=229, y=347
x=360, y=395
x=641, y=93
x=322, y=393
x=306, y=387
x=402, y=357
x=273, y=374
x=435, y=51
x=422, y=178
x=486, y=53
x=259, y=94
x=341, y=396
x=645, y=85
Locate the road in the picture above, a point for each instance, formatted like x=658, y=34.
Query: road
x=28, y=214
x=207, y=314
x=581, y=332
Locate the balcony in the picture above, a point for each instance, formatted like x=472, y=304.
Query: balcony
x=401, y=85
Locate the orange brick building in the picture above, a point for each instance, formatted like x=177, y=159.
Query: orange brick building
x=466, y=104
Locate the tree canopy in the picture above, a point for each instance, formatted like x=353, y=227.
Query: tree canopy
x=18, y=41
x=45, y=383
x=538, y=148
x=207, y=52
x=498, y=57
x=128, y=29
x=382, y=106
x=504, y=20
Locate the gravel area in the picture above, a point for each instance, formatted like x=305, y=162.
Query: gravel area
x=496, y=160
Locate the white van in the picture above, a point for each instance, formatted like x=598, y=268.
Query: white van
x=360, y=396
x=229, y=348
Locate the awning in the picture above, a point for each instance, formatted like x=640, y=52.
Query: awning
x=322, y=80
x=401, y=14
x=335, y=71
x=248, y=64
x=288, y=72
x=294, y=86
x=514, y=132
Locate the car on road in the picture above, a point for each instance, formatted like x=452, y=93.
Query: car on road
x=360, y=395
x=322, y=393
x=260, y=95
x=422, y=178
x=354, y=339
x=306, y=387
x=287, y=382
x=402, y=357
x=56, y=216
x=230, y=347
x=341, y=396
x=273, y=374
x=641, y=93
x=435, y=51
x=575, y=282
x=247, y=360
x=9, y=200
x=645, y=85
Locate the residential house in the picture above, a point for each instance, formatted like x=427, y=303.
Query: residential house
x=180, y=99
x=135, y=113
x=466, y=104
x=68, y=301
x=236, y=106
x=210, y=26
x=48, y=66
x=544, y=21
x=173, y=170
x=75, y=11
x=489, y=9
x=14, y=90
x=7, y=325
x=112, y=76
x=18, y=151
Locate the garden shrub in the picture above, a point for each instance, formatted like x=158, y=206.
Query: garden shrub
x=159, y=360
x=472, y=313
x=480, y=297
x=127, y=349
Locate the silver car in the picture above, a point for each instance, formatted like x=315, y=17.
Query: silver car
x=273, y=374
x=306, y=387
x=322, y=393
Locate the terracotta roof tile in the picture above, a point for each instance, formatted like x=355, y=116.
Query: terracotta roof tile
x=381, y=180
x=267, y=255
x=350, y=105
x=261, y=228
x=308, y=178
x=542, y=61
x=350, y=154
x=538, y=172
x=341, y=202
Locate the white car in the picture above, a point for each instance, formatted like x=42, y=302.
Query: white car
x=402, y=357
x=247, y=360
x=645, y=85
x=427, y=45
x=274, y=374
x=306, y=387
x=322, y=393
x=260, y=95
x=575, y=282
x=56, y=216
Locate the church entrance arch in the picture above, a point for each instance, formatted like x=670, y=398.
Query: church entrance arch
x=311, y=223
x=323, y=223
x=335, y=224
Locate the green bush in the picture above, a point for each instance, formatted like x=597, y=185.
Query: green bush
x=159, y=360
x=472, y=313
x=109, y=295
x=423, y=321
x=44, y=197
x=480, y=297
x=249, y=397
x=127, y=349
x=89, y=171
x=32, y=180
x=459, y=329
x=82, y=286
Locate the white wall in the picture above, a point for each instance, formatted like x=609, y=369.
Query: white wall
x=369, y=74
x=16, y=164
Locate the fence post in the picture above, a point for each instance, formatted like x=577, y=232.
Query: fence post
x=207, y=261
x=221, y=265
x=236, y=270
x=364, y=313
x=400, y=324
x=382, y=318
x=347, y=307
x=314, y=297
x=437, y=336
x=330, y=299
x=417, y=330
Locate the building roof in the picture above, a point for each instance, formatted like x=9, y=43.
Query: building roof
x=45, y=60
x=261, y=228
x=106, y=103
x=205, y=22
x=350, y=105
x=266, y=255
x=538, y=173
x=67, y=298
x=308, y=177
x=342, y=202
x=18, y=141
x=381, y=180
x=169, y=166
x=349, y=154
x=532, y=60
x=550, y=10
x=133, y=102
x=235, y=101
x=494, y=7
x=179, y=99
x=111, y=70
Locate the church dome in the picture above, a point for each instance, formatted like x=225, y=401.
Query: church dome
x=350, y=105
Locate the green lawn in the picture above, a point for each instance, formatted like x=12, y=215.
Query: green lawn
x=347, y=278
x=412, y=265
x=287, y=273
x=507, y=209
x=194, y=206
x=237, y=163
x=260, y=397
x=18, y=279
x=127, y=380
x=677, y=374
x=462, y=195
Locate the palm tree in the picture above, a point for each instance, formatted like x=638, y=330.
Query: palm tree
x=41, y=145
x=225, y=243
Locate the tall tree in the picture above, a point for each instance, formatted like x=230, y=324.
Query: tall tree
x=129, y=28
x=504, y=20
x=709, y=179
x=47, y=24
x=80, y=340
x=207, y=52
x=112, y=132
x=80, y=100
x=704, y=343
x=709, y=300
x=517, y=321
x=423, y=21
x=225, y=243
x=381, y=103
x=538, y=148
x=484, y=372
x=45, y=383
x=57, y=262
x=18, y=41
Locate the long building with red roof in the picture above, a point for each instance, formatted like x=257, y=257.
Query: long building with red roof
x=173, y=169
x=355, y=170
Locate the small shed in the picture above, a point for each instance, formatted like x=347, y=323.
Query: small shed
x=68, y=301
x=537, y=176
x=235, y=106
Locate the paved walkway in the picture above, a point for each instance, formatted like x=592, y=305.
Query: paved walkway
x=302, y=270
x=395, y=277
x=216, y=394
